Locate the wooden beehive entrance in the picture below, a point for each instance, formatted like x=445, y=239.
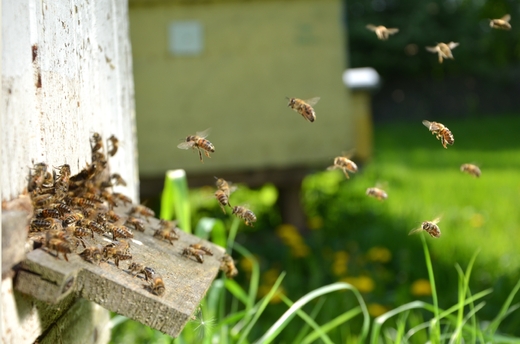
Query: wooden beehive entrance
x=51, y=279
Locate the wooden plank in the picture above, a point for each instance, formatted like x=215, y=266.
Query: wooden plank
x=186, y=281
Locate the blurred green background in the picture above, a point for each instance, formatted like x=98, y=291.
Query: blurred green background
x=360, y=240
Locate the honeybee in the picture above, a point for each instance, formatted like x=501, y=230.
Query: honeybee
x=227, y=265
x=194, y=252
x=223, y=192
x=137, y=223
x=113, y=145
x=39, y=224
x=137, y=268
x=378, y=193
x=443, y=50
x=245, y=214
x=381, y=31
x=440, y=131
x=142, y=210
x=345, y=164
x=96, y=142
x=198, y=141
x=430, y=227
x=203, y=248
x=118, y=180
x=471, y=169
x=117, y=251
x=41, y=177
x=120, y=232
x=502, y=23
x=94, y=226
x=72, y=219
x=60, y=245
x=157, y=284
x=92, y=254
x=304, y=107
x=167, y=233
x=48, y=212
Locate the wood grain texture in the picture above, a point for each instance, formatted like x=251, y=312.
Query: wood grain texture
x=50, y=279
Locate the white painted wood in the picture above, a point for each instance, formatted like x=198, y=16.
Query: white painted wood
x=79, y=82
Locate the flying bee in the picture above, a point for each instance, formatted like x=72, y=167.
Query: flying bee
x=430, y=227
x=142, y=210
x=227, y=265
x=123, y=198
x=502, y=23
x=223, y=192
x=378, y=193
x=245, y=214
x=381, y=31
x=60, y=245
x=304, y=107
x=345, y=164
x=92, y=254
x=440, y=131
x=443, y=50
x=96, y=142
x=474, y=170
x=194, y=252
x=203, y=248
x=113, y=145
x=118, y=180
x=157, y=284
x=198, y=141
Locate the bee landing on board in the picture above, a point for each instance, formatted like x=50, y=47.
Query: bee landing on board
x=502, y=23
x=227, y=265
x=304, y=107
x=443, y=50
x=245, y=214
x=440, y=131
x=157, y=284
x=137, y=268
x=198, y=141
x=381, y=31
x=430, y=227
x=92, y=254
x=197, y=253
x=344, y=164
x=223, y=192
x=471, y=169
x=378, y=193
x=167, y=230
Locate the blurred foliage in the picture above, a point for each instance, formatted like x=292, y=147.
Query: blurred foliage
x=483, y=52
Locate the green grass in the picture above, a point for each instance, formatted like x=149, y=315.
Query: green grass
x=423, y=181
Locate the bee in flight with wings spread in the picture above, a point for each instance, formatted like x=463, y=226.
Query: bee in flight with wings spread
x=430, y=227
x=304, y=107
x=198, y=141
x=441, y=132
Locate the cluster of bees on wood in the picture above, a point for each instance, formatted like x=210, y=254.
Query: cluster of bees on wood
x=306, y=110
x=70, y=210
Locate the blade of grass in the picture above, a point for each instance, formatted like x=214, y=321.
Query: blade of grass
x=493, y=326
x=215, y=227
x=175, y=199
x=457, y=334
x=380, y=320
x=255, y=275
x=401, y=323
x=285, y=318
x=232, y=234
x=308, y=321
x=305, y=329
x=436, y=330
x=236, y=290
x=334, y=323
x=262, y=305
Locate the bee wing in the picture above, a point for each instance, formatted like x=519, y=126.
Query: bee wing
x=452, y=45
x=371, y=27
x=392, y=31
x=437, y=220
x=415, y=230
x=312, y=101
x=506, y=18
x=185, y=145
x=432, y=49
x=348, y=154
x=233, y=188
x=203, y=134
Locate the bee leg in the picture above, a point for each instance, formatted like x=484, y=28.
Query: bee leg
x=199, y=258
x=200, y=156
x=223, y=209
x=346, y=173
x=207, y=154
x=65, y=256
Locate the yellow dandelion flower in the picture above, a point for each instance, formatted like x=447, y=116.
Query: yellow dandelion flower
x=362, y=283
x=263, y=290
x=315, y=222
x=421, y=287
x=270, y=276
x=246, y=264
x=339, y=269
x=375, y=309
x=288, y=232
x=300, y=250
x=341, y=256
x=379, y=254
